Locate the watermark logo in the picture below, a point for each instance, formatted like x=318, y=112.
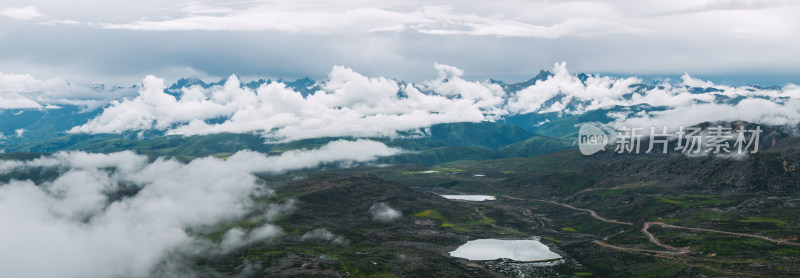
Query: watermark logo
x=690, y=140
x=591, y=139
x=717, y=140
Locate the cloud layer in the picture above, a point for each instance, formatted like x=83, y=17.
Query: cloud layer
x=382, y=212
x=347, y=104
x=316, y=19
x=82, y=224
x=22, y=91
x=351, y=104
x=22, y=13
x=398, y=38
x=16, y=90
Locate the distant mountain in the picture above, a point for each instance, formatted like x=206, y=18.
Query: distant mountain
x=543, y=75
x=304, y=85
x=443, y=143
x=21, y=126
x=538, y=145
x=548, y=126
x=187, y=82
x=555, y=124
x=484, y=135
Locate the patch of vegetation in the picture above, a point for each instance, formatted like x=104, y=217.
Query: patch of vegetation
x=483, y=220
x=607, y=192
x=688, y=201
x=435, y=214
x=656, y=270
x=758, y=219
x=288, y=194
x=785, y=252
x=447, y=169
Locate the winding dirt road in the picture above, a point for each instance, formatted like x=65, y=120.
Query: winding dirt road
x=655, y=241
x=665, y=225
x=672, y=250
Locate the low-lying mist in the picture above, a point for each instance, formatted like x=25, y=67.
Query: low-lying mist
x=79, y=225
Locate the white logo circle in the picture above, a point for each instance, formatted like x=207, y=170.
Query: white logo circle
x=591, y=139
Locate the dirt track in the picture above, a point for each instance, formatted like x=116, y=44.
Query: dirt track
x=652, y=238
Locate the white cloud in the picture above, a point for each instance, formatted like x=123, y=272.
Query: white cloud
x=566, y=93
x=16, y=101
x=753, y=110
x=533, y=19
x=19, y=91
x=62, y=22
x=372, y=17
x=237, y=237
x=447, y=23
x=598, y=91
x=14, y=86
x=74, y=224
x=322, y=234
x=728, y=5
x=350, y=104
x=383, y=212
x=10, y=82
x=22, y=13
x=400, y=38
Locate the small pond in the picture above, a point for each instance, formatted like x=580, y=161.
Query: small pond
x=492, y=249
x=469, y=197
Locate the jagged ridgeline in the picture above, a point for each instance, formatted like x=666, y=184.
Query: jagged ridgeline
x=442, y=120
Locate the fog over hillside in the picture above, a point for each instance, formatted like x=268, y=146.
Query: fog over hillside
x=118, y=214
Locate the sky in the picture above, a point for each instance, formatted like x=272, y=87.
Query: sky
x=357, y=50
x=120, y=42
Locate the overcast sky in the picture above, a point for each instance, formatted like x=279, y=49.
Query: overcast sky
x=110, y=41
